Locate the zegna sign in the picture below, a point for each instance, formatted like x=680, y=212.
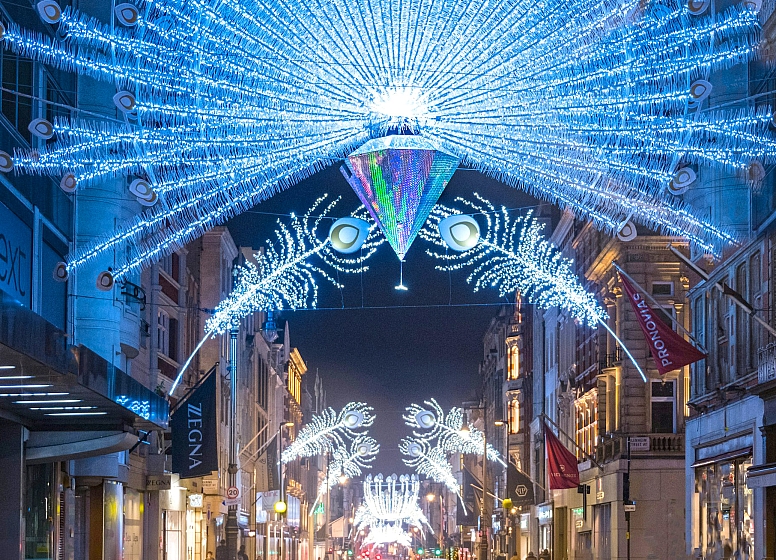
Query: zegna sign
x=194, y=431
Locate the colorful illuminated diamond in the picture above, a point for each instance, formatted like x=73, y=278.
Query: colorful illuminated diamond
x=399, y=179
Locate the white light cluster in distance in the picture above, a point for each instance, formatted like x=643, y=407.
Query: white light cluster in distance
x=585, y=103
x=514, y=255
x=390, y=504
x=331, y=430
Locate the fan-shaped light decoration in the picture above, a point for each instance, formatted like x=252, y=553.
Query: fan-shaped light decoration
x=235, y=101
x=328, y=430
x=349, y=462
x=399, y=179
x=347, y=235
x=460, y=232
x=393, y=500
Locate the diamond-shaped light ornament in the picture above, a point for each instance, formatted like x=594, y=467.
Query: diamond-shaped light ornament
x=399, y=179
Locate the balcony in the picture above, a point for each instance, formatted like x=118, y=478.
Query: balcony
x=766, y=363
x=642, y=445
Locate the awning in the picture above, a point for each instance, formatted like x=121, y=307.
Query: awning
x=761, y=476
x=728, y=456
x=48, y=384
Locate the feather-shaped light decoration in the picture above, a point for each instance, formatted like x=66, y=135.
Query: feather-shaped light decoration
x=513, y=255
x=429, y=461
x=330, y=430
x=349, y=462
x=585, y=103
x=432, y=425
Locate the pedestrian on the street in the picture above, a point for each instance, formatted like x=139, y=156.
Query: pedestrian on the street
x=241, y=554
x=221, y=551
x=515, y=557
x=209, y=555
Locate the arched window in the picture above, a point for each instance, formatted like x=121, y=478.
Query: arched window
x=514, y=416
x=514, y=362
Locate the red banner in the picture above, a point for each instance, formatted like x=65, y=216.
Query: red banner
x=561, y=463
x=669, y=350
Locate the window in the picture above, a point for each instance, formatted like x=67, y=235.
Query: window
x=667, y=314
x=586, y=423
x=603, y=530
x=514, y=416
x=663, y=407
x=163, y=332
x=662, y=288
x=514, y=362
x=699, y=328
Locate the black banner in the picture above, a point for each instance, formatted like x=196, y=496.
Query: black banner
x=469, y=516
x=519, y=487
x=273, y=481
x=194, y=428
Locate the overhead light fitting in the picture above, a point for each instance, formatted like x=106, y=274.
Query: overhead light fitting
x=7, y=367
x=33, y=394
x=76, y=414
x=25, y=386
x=53, y=401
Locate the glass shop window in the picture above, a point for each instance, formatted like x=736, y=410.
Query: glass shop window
x=663, y=407
x=725, y=510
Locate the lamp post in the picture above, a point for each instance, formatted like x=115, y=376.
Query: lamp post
x=482, y=548
x=281, y=508
x=232, y=529
x=431, y=497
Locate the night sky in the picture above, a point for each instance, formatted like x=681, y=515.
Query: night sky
x=387, y=347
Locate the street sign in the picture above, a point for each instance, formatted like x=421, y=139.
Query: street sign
x=639, y=443
x=232, y=492
x=232, y=502
x=630, y=507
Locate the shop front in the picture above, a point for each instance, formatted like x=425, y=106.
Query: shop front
x=545, y=518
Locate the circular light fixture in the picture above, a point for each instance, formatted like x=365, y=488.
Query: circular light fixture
x=425, y=419
x=700, y=90
x=144, y=192
x=41, y=128
x=414, y=450
x=353, y=419
x=364, y=449
x=49, y=11
x=125, y=101
x=60, y=272
x=627, y=232
x=6, y=162
x=683, y=178
x=68, y=183
x=347, y=235
x=280, y=507
x=105, y=281
x=127, y=14
x=459, y=232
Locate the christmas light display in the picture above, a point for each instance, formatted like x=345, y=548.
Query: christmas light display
x=282, y=275
x=330, y=430
x=349, y=462
x=388, y=506
x=444, y=430
x=429, y=461
x=399, y=179
x=513, y=255
x=596, y=106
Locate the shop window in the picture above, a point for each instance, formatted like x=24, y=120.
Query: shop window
x=725, y=510
x=40, y=511
x=699, y=327
x=663, y=407
x=603, y=531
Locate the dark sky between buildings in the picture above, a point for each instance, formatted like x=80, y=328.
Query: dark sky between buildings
x=372, y=343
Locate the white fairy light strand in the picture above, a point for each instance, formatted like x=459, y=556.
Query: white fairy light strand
x=583, y=103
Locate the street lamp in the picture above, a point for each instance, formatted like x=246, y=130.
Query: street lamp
x=280, y=506
x=482, y=549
